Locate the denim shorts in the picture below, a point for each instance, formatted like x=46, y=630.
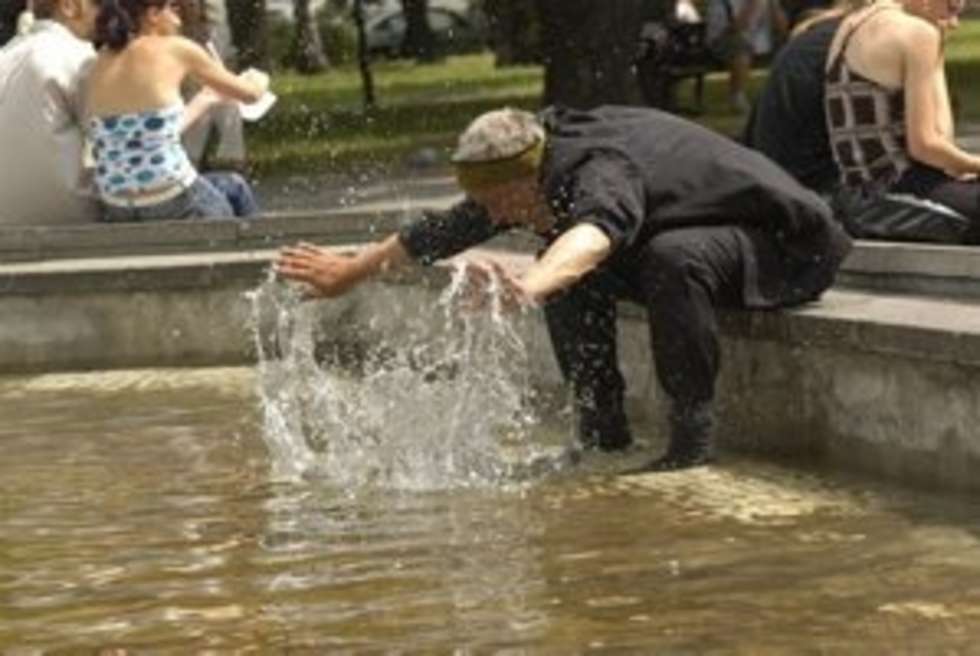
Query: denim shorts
x=210, y=196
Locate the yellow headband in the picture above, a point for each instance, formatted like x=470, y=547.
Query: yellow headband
x=480, y=176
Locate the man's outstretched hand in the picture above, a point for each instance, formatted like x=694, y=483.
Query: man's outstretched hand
x=487, y=280
x=327, y=273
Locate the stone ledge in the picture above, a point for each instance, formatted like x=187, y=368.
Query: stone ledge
x=26, y=244
x=927, y=269
x=945, y=330
x=930, y=269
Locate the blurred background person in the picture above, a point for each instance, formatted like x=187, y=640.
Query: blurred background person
x=216, y=140
x=737, y=32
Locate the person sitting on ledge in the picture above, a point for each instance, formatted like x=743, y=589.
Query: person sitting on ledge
x=136, y=116
x=793, y=96
x=635, y=204
x=43, y=177
x=891, y=127
x=206, y=22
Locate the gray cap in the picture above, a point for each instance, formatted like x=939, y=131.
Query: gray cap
x=498, y=134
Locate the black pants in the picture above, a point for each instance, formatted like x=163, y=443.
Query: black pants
x=924, y=205
x=961, y=196
x=681, y=276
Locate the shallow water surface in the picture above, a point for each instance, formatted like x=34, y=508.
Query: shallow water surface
x=139, y=513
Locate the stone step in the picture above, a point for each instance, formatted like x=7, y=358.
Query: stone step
x=938, y=270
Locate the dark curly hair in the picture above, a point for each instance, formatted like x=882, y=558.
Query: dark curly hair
x=118, y=20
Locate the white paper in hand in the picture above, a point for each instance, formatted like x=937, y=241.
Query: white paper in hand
x=258, y=109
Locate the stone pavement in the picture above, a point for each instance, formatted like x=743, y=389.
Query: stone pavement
x=412, y=187
x=404, y=191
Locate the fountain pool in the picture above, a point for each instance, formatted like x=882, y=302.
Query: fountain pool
x=141, y=512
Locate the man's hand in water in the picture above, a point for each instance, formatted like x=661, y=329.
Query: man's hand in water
x=573, y=255
x=328, y=273
x=488, y=280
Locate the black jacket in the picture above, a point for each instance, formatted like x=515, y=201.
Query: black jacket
x=637, y=172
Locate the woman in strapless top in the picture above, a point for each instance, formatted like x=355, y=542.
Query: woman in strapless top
x=135, y=117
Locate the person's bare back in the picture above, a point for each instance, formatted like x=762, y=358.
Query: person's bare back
x=146, y=74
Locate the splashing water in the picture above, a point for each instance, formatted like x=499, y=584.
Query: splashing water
x=444, y=403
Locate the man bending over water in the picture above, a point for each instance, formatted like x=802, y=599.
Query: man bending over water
x=632, y=204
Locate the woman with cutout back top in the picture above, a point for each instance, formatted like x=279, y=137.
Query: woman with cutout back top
x=890, y=121
x=135, y=117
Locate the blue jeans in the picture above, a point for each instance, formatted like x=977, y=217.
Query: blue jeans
x=211, y=196
x=236, y=190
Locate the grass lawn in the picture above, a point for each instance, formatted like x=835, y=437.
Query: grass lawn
x=319, y=125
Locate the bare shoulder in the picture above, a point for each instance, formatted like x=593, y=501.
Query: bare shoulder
x=913, y=32
x=181, y=46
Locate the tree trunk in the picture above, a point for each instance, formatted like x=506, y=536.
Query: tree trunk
x=363, y=57
x=419, y=42
x=307, y=54
x=248, y=29
x=588, y=49
x=515, y=32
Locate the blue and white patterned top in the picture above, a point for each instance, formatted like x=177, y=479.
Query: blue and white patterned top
x=139, y=152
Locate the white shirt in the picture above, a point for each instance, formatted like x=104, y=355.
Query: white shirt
x=686, y=12
x=43, y=180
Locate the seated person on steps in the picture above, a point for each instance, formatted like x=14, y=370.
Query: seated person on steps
x=135, y=116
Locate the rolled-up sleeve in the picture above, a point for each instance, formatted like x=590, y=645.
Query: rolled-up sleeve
x=607, y=192
x=438, y=235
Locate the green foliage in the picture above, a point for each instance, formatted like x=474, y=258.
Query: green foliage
x=279, y=38
x=963, y=69
x=337, y=34
x=319, y=125
x=339, y=38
